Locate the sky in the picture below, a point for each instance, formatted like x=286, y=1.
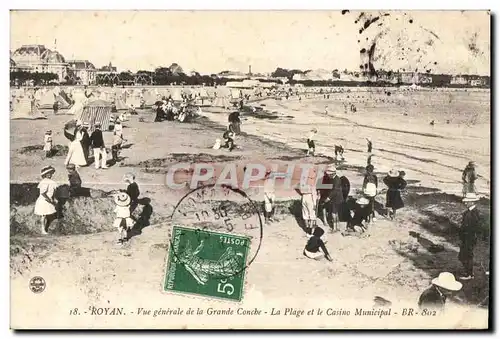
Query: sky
x=456, y=42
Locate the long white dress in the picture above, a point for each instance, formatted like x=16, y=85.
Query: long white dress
x=75, y=152
x=42, y=206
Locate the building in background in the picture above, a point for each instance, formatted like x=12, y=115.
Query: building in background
x=38, y=58
x=82, y=72
x=107, y=74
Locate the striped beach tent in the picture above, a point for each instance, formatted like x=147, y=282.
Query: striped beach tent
x=98, y=111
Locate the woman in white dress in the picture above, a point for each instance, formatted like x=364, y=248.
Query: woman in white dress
x=75, y=153
x=46, y=204
x=309, y=201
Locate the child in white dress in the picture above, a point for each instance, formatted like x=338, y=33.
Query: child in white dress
x=46, y=204
x=123, y=221
x=47, y=147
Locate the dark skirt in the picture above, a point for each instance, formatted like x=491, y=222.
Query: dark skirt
x=310, y=143
x=394, y=200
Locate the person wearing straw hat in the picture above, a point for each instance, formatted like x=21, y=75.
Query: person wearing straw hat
x=97, y=142
x=47, y=144
x=311, y=147
x=468, y=235
x=469, y=178
x=46, y=204
x=435, y=296
x=123, y=221
x=394, y=184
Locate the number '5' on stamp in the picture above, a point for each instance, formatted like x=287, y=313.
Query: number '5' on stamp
x=210, y=264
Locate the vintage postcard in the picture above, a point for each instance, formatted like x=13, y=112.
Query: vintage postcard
x=250, y=169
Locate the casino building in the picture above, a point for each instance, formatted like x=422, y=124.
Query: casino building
x=38, y=58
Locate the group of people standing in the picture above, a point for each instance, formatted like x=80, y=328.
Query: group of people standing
x=81, y=143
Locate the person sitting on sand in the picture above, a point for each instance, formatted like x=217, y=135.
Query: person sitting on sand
x=228, y=138
x=314, y=244
x=435, y=296
x=46, y=203
x=393, y=197
x=310, y=142
x=123, y=221
x=47, y=144
x=469, y=178
x=75, y=182
x=359, y=221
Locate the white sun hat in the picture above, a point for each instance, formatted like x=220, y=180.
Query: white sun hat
x=122, y=199
x=447, y=281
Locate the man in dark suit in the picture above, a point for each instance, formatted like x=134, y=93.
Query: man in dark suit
x=468, y=235
x=97, y=142
x=331, y=198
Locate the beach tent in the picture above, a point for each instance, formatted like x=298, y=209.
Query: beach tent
x=46, y=100
x=79, y=102
x=235, y=93
x=150, y=98
x=25, y=108
x=134, y=99
x=63, y=103
x=221, y=101
x=120, y=104
x=96, y=111
x=176, y=94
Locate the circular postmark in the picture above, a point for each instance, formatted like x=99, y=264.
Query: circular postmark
x=223, y=228
x=37, y=284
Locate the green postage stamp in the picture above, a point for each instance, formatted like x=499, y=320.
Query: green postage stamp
x=206, y=263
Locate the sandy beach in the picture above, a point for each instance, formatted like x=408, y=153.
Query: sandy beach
x=389, y=263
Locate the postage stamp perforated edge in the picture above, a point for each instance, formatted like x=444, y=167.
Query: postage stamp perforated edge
x=198, y=296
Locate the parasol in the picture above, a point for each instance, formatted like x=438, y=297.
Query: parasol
x=69, y=130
